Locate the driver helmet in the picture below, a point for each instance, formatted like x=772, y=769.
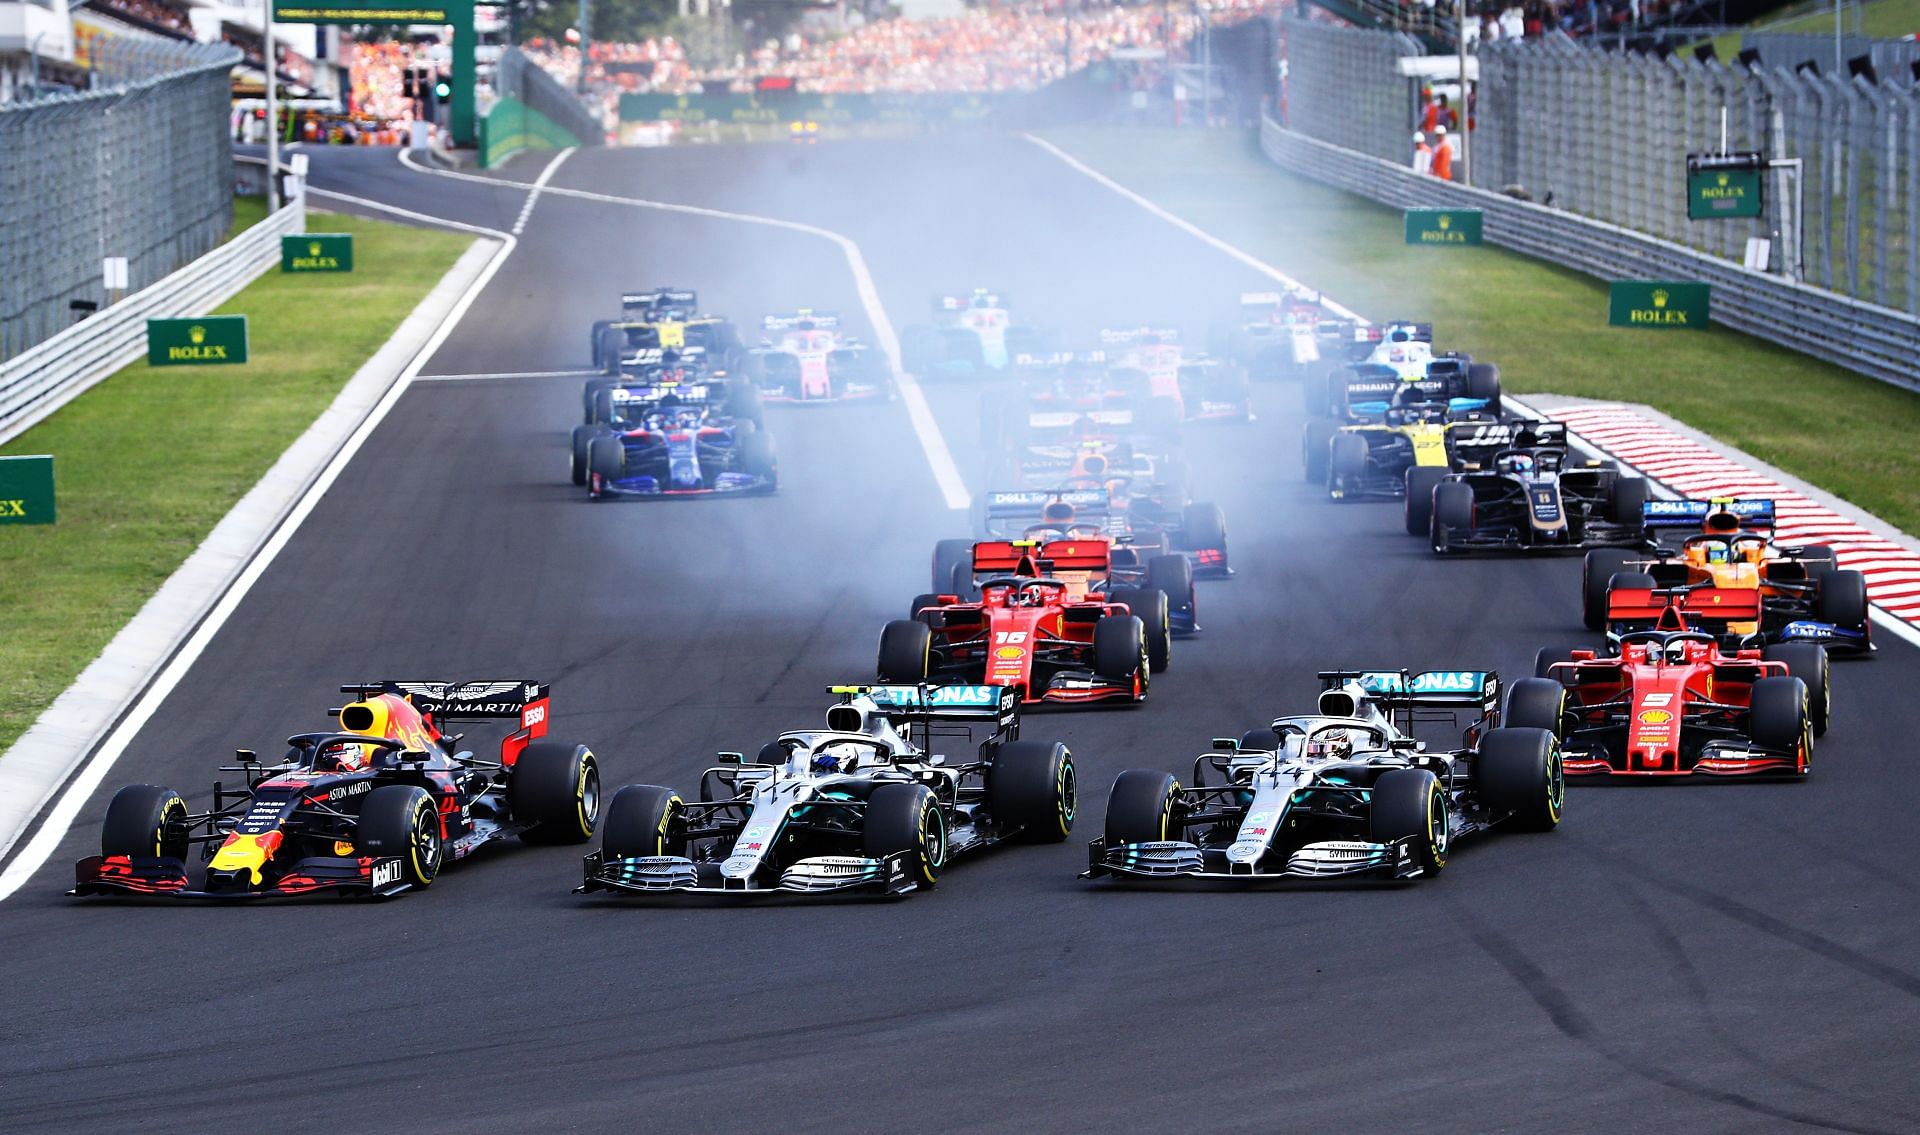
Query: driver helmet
x=1518, y=463
x=824, y=763
x=1677, y=650
x=1031, y=595
x=341, y=756
x=1333, y=745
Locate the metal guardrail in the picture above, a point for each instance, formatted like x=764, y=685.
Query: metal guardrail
x=1872, y=340
x=53, y=372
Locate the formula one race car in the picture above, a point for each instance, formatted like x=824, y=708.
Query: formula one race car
x=1068, y=397
x=1346, y=792
x=1091, y=566
x=1282, y=335
x=865, y=804
x=1029, y=632
x=1535, y=497
x=1801, y=595
x=618, y=343
x=811, y=361
x=1415, y=445
x=674, y=441
x=374, y=807
x=1672, y=703
x=969, y=334
x=659, y=304
x=1364, y=391
x=662, y=368
x=1152, y=363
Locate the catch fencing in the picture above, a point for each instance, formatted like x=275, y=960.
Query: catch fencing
x=518, y=77
x=1873, y=340
x=1892, y=59
x=1343, y=86
x=141, y=168
x=48, y=375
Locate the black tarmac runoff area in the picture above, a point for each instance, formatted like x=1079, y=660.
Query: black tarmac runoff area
x=1719, y=957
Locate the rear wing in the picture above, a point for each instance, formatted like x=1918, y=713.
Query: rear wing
x=1148, y=335
x=1260, y=299
x=1059, y=358
x=998, y=557
x=926, y=703
x=1682, y=609
x=1752, y=513
x=962, y=303
x=518, y=700
x=1030, y=502
x=1447, y=689
x=803, y=320
x=677, y=297
x=688, y=393
x=1401, y=331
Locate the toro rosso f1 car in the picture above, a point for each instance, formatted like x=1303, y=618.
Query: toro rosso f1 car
x=1347, y=792
x=867, y=804
x=1801, y=595
x=674, y=441
x=811, y=361
x=374, y=807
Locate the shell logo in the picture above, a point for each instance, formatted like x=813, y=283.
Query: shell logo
x=1008, y=652
x=1655, y=717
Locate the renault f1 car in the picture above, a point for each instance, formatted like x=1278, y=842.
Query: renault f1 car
x=375, y=806
x=1416, y=444
x=1801, y=595
x=969, y=334
x=1029, y=632
x=1348, y=792
x=811, y=361
x=867, y=804
x=1364, y=391
x=620, y=343
x=659, y=304
x=1283, y=335
x=1672, y=704
x=1535, y=497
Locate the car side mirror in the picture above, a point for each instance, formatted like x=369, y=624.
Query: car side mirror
x=1226, y=745
x=246, y=756
x=1404, y=744
x=731, y=758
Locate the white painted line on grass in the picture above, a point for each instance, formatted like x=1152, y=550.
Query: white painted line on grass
x=946, y=473
x=94, y=770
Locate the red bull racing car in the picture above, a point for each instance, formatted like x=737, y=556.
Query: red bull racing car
x=376, y=806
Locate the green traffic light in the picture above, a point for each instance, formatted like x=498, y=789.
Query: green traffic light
x=443, y=89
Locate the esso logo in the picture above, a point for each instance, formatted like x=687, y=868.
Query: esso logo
x=533, y=715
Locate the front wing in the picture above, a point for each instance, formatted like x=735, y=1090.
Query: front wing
x=678, y=875
x=166, y=877
x=1177, y=859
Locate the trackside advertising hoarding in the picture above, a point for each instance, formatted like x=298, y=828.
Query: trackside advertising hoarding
x=26, y=490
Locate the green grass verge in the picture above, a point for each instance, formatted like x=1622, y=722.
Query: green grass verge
x=1545, y=326
x=149, y=460
x=1880, y=19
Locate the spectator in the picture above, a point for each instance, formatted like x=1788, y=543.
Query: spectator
x=1422, y=153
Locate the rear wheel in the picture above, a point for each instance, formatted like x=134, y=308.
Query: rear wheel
x=1545, y=658
x=399, y=821
x=1203, y=528
x=1596, y=571
x=1173, y=576
x=1777, y=717
x=1031, y=786
x=906, y=651
x=743, y=403
x=906, y=818
x=145, y=820
x=1263, y=740
x=1420, y=483
x=1314, y=439
x=1120, y=649
x=590, y=394
x=1520, y=771
x=948, y=555
x=1627, y=500
x=757, y=457
x=613, y=343
x=1840, y=598
x=1483, y=381
x=1536, y=703
x=919, y=610
x=555, y=787
x=1408, y=804
x=1142, y=808
x=1808, y=662
x=1149, y=605
x=643, y=820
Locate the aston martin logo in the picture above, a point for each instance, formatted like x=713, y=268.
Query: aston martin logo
x=468, y=691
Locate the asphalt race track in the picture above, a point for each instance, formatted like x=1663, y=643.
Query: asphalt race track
x=1699, y=958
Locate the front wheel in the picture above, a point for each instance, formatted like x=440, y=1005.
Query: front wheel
x=1031, y=786
x=146, y=820
x=1149, y=605
x=1408, y=804
x=1420, y=483
x=1120, y=650
x=399, y=821
x=643, y=821
x=1808, y=661
x=1143, y=808
x=906, y=818
x=1536, y=703
x=1777, y=717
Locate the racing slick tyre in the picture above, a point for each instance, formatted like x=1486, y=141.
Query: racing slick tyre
x=1840, y=598
x=1315, y=437
x=757, y=458
x=145, y=820
x=919, y=611
x=1408, y=804
x=607, y=456
x=590, y=394
x=1346, y=459
x=1120, y=649
x=555, y=787
x=906, y=817
x=1520, y=771
x=1173, y=575
x=1627, y=500
x=643, y=820
x=593, y=342
x=1031, y=787
x=1536, y=703
x=743, y=403
x=1816, y=559
x=1545, y=658
x=1142, y=808
x=948, y=555
x=1808, y=662
x=399, y=820
x=1777, y=717
x=603, y=404
x=1596, y=573
x=1631, y=581
x=906, y=651
x=1421, y=481
x=583, y=438
x=1483, y=381
x=1203, y=528
x=612, y=342
x=1149, y=605
x=1452, y=514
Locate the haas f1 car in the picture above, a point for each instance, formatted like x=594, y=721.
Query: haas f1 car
x=1534, y=497
x=1048, y=638
x=1801, y=595
x=1347, y=792
x=864, y=805
x=375, y=807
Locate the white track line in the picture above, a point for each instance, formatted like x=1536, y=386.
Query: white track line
x=539, y=183
x=505, y=375
x=946, y=474
x=82, y=786
x=1898, y=626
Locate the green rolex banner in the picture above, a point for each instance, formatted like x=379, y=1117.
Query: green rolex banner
x=1443, y=226
x=26, y=490
x=317, y=252
x=1658, y=303
x=212, y=340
